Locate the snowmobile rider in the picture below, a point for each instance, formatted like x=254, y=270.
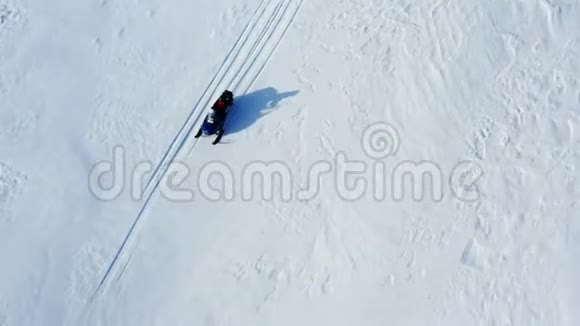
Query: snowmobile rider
x=220, y=108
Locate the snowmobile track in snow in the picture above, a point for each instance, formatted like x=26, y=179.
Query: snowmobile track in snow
x=273, y=16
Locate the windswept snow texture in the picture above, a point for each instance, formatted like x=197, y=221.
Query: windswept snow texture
x=385, y=163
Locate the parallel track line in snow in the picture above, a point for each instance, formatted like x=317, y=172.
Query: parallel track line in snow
x=241, y=41
x=259, y=39
x=255, y=51
x=185, y=131
x=276, y=45
x=231, y=65
x=179, y=140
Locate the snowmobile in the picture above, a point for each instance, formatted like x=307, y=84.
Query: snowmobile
x=214, y=121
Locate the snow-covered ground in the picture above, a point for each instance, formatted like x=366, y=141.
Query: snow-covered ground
x=112, y=213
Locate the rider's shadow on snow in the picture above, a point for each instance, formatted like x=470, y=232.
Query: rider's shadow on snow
x=250, y=107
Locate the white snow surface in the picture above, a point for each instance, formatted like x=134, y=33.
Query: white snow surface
x=487, y=93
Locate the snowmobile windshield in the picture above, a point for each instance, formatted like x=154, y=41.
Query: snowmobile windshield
x=211, y=116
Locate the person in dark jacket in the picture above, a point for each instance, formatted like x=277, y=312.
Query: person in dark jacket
x=219, y=108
